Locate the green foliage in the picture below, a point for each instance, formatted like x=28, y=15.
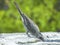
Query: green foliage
x=42, y=12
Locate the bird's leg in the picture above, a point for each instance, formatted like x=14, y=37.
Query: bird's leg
x=47, y=36
x=27, y=32
x=41, y=37
x=40, y=34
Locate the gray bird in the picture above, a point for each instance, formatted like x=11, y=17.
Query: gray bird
x=31, y=27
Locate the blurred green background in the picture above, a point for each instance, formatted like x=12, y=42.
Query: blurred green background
x=45, y=13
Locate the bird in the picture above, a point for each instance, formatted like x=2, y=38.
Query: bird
x=30, y=26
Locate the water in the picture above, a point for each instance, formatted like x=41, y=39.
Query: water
x=23, y=39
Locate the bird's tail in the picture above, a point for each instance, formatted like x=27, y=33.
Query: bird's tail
x=19, y=10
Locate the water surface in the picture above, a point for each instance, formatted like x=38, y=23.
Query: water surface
x=23, y=39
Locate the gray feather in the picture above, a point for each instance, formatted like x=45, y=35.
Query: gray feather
x=29, y=24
